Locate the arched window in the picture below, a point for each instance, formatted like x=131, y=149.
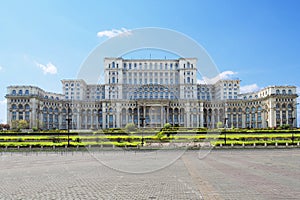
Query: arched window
x=259, y=108
x=14, y=92
x=27, y=107
x=283, y=92
x=20, y=92
x=20, y=106
x=14, y=106
x=277, y=92
x=290, y=92
x=26, y=92
x=278, y=106
x=188, y=80
x=113, y=64
x=45, y=109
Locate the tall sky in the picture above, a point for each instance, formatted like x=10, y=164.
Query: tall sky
x=42, y=42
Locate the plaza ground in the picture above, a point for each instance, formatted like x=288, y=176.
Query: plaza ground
x=168, y=174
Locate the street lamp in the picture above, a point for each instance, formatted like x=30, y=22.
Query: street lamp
x=68, y=119
x=225, y=125
x=293, y=137
x=142, y=119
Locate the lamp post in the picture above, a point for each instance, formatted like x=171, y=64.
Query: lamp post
x=68, y=119
x=142, y=119
x=225, y=125
x=293, y=122
x=293, y=137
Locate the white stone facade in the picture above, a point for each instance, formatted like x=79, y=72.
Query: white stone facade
x=150, y=93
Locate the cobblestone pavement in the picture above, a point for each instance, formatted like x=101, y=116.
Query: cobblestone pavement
x=222, y=174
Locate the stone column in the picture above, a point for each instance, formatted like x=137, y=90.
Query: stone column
x=86, y=120
x=173, y=114
x=281, y=116
x=103, y=119
x=212, y=119
x=161, y=116
x=92, y=119
x=145, y=116
x=126, y=116
x=114, y=119
x=243, y=120
x=138, y=116
x=78, y=119
x=168, y=113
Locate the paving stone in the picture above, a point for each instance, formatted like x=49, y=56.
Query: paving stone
x=222, y=174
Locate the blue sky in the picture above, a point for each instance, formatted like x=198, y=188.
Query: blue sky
x=43, y=42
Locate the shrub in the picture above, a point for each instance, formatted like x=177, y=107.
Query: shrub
x=219, y=125
x=160, y=135
x=130, y=127
x=167, y=126
x=285, y=126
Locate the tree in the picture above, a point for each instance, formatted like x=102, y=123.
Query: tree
x=14, y=124
x=4, y=126
x=23, y=124
x=19, y=124
x=130, y=127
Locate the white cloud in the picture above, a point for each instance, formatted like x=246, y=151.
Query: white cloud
x=249, y=88
x=221, y=76
x=3, y=104
x=48, y=68
x=114, y=32
x=227, y=74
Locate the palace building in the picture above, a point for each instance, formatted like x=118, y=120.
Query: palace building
x=150, y=93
